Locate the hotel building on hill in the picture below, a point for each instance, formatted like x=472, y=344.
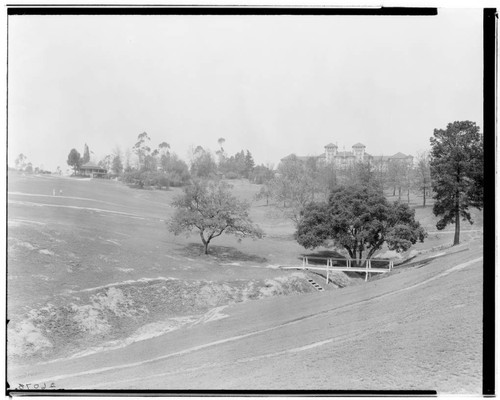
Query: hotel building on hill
x=344, y=159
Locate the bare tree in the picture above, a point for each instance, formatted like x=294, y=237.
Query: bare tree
x=422, y=177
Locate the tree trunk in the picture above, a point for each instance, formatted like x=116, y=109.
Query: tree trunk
x=399, y=193
x=424, y=195
x=408, y=195
x=361, y=263
x=205, y=242
x=394, y=191
x=456, y=240
x=359, y=255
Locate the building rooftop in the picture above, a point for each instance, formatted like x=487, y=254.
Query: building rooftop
x=400, y=155
x=91, y=165
x=331, y=145
x=358, y=145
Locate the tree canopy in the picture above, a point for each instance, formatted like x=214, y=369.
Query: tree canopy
x=74, y=160
x=293, y=187
x=457, y=164
x=21, y=162
x=359, y=220
x=116, y=165
x=422, y=175
x=203, y=164
x=209, y=208
x=142, y=149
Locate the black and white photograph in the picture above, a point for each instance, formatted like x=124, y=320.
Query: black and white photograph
x=237, y=200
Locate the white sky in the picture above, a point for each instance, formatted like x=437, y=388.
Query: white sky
x=274, y=85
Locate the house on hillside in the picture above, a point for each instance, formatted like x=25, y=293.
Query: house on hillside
x=344, y=159
x=93, y=171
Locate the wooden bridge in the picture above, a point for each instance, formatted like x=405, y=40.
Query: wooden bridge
x=331, y=265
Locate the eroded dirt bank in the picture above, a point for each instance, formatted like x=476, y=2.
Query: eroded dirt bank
x=115, y=315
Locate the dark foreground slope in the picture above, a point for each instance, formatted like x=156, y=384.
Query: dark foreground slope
x=417, y=329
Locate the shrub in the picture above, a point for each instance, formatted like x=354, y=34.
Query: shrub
x=231, y=175
x=146, y=179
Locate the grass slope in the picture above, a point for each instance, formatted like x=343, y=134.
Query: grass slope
x=65, y=251
x=94, y=268
x=418, y=330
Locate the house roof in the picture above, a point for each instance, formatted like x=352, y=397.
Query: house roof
x=358, y=145
x=91, y=165
x=331, y=145
x=400, y=155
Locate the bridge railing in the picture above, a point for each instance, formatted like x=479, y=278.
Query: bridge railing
x=368, y=269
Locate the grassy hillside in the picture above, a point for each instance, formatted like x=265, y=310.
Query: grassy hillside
x=416, y=330
x=95, y=265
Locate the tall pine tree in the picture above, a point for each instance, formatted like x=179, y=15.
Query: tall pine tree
x=249, y=164
x=86, y=155
x=457, y=164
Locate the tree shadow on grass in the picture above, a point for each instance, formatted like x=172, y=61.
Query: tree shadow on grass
x=220, y=253
x=420, y=206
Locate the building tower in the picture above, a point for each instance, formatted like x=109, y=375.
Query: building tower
x=330, y=153
x=359, y=151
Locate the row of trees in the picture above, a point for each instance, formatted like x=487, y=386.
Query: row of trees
x=452, y=173
x=239, y=165
x=22, y=164
x=158, y=166
x=298, y=182
x=154, y=167
x=355, y=217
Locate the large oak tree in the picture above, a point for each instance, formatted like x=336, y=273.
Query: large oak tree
x=359, y=220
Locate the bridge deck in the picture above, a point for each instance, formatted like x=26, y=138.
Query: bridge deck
x=343, y=269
